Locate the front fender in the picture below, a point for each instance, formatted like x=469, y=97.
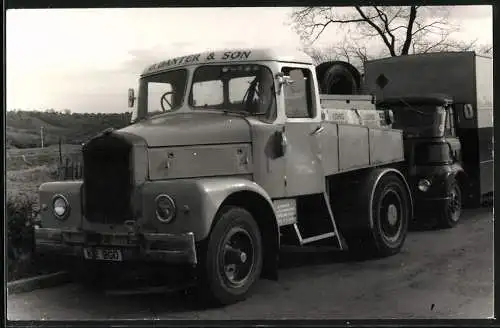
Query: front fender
x=197, y=201
x=441, y=177
x=456, y=173
x=71, y=190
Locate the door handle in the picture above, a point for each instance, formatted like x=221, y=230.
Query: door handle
x=319, y=129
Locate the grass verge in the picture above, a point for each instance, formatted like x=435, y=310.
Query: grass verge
x=22, y=208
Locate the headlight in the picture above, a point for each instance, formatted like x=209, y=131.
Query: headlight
x=165, y=208
x=424, y=185
x=60, y=207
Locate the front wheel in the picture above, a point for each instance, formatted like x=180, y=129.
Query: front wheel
x=450, y=214
x=232, y=262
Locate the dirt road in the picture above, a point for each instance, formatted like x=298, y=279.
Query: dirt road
x=439, y=274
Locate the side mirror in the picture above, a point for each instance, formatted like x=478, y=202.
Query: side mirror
x=468, y=111
x=131, y=97
x=280, y=143
x=283, y=80
x=389, y=117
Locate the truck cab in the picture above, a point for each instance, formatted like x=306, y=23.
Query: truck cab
x=230, y=155
x=432, y=152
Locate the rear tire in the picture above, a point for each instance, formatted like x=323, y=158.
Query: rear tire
x=390, y=211
x=450, y=214
x=232, y=260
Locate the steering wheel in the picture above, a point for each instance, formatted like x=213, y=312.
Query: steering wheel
x=164, y=99
x=251, y=92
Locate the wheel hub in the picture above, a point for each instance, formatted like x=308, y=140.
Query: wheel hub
x=392, y=214
x=455, y=205
x=237, y=257
x=390, y=211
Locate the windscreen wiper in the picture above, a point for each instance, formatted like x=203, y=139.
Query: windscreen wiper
x=413, y=109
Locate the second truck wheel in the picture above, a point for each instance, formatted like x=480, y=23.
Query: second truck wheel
x=451, y=213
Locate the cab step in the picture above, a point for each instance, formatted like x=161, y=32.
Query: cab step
x=308, y=240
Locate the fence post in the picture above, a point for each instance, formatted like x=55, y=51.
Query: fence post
x=60, y=152
x=66, y=169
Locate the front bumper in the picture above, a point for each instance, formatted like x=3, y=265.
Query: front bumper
x=429, y=206
x=152, y=247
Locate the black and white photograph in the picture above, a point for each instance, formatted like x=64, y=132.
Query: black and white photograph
x=249, y=163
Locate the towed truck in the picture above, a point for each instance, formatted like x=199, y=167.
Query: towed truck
x=229, y=156
x=443, y=102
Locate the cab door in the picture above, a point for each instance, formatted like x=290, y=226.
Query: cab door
x=303, y=169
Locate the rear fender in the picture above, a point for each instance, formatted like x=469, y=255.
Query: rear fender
x=372, y=181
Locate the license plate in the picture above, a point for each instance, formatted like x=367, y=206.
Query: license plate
x=102, y=254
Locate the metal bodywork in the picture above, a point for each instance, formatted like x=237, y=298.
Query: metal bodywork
x=464, y=77
x=205, y=159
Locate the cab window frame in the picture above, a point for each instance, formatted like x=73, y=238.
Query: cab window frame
x=310, y=110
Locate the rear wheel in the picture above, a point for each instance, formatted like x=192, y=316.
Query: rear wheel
x=232, y=261
x=452, y=211
x=390, y=212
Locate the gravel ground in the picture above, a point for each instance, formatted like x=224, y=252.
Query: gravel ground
x=438, y=274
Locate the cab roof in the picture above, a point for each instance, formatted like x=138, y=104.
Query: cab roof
x=231, y=56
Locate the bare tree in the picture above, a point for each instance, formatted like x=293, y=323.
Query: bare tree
x=352, y=52
x=401, y=30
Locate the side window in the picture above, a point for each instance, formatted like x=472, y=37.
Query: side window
x=468, y=111
x=449, y=123
x=298, y=94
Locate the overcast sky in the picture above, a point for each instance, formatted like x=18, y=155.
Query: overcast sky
x=86, y=59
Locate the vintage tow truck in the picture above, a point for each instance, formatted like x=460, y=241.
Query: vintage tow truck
x=229, y=156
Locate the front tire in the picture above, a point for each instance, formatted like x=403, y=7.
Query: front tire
x=232, y=262
x=450, y=214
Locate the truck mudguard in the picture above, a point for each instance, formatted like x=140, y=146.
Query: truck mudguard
x=199, y=200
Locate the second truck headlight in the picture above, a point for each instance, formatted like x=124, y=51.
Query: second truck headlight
x=424, y=185
x=165, y=208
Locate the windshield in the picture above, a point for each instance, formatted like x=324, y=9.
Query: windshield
x=246, y=89
x=418, y=120
x=161, y=93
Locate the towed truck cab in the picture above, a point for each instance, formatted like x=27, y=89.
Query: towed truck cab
x=462, y=83
x=432, y=151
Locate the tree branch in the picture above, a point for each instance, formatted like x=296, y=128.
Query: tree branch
x=380, y=32
x=409, y=35
x=384, y=19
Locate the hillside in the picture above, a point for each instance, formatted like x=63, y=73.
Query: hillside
x=23, y=127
